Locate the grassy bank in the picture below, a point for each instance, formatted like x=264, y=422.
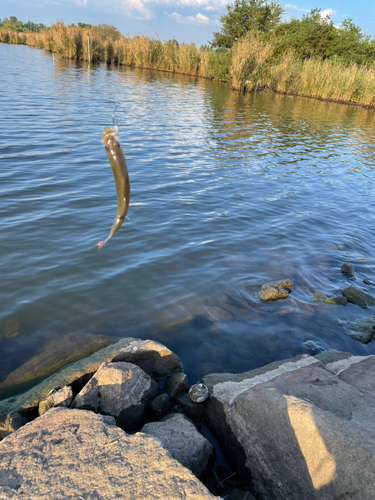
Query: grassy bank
x=251, y=64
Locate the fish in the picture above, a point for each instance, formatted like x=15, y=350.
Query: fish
x=120, y=173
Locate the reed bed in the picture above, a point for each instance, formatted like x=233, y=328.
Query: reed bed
x=250, y=65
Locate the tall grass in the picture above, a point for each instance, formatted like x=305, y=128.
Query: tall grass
x=248, y=66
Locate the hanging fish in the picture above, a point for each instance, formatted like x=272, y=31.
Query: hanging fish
x=120, y=173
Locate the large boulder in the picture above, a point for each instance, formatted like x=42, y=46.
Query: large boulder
x=76, y=454
x=180, y=436
x=297, y=430
x=61, y=397
x=122, y=390
x=154, y=358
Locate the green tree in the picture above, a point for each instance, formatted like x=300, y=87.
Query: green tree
x=244, y=16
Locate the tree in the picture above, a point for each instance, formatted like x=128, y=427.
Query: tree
x=244, y=16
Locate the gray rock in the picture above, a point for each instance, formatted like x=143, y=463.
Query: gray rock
x=62, y=397
x=368, y=282
x=296, y=429
x=160, y=407
x=177, y=385
x=199, y=393
x=276, y=290
x=329, y=299
x=362, y=330
x=180, y=436
x=122, y=390
x=331, y=355
x=195, y=411
x=74, y=374
x=347, y=270
x=74, y=454
x=358, y=296
x=11, y=423
x=154, y=358
x=313, y=346
x=358, y=371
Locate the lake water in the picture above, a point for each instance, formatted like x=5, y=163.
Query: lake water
x=228, y=192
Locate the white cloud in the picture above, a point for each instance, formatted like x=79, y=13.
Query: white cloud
x=327, y=13
x=81, y=2
x=199, y=19
x=294, y=7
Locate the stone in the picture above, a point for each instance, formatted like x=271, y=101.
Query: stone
x=195, y=411
x=120, y=389
x=362, y=330
x=160, y=407
x=295, y=430
x=181, y=438
x=154, y=358
x=368, y=282
x=75, y=454
x=313, y=346
x=11, y=423
x=75, y=375
x=337, y=300
x=276, y=290
x=62, y=397
x=176, y=385
x=357, y=296
x=199, y=393
x=347, y=270
x=319, y=296
x=358, y=371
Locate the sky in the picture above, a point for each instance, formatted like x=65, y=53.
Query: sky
x=184, y=20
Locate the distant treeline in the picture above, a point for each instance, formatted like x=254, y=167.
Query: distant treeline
x=308, y=56
x=13, y=24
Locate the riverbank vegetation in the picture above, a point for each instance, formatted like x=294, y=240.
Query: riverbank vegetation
x=255, y=50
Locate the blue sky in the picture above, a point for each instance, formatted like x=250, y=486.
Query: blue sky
x=185, y=20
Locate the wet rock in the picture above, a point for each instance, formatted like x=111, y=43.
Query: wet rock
x=75, y=375
x=347, y=270
x=293, y=427
x=319, y=296
x=195, y=411
x=276, y=290
x=120, y=389
x=181, y=438
x=177, y=385
x=313, y=346
x=76, y=454
x=11, y=423
x=358, y=296
x=336, y=299
x=368, y=282
x=198, y=393
x=62, y=397
x=154, y=358
x=160, y=407
x=52, y=357
x=362, y=330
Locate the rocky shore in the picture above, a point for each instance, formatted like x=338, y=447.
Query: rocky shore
x=123, y=423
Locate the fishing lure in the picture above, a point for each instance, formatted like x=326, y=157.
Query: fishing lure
x=120, y=173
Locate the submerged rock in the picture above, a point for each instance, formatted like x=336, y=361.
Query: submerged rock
x=313, y=346
x=347, y=270
x=120, y=389
x=362, y=330
x=357, y=296
x=368, y=282
x=319, y=296
x=180, y=436
x=329, y=299
x=276, y=290
x=62, y=397
x=76, y=454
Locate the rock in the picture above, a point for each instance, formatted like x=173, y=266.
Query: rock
x=336, y=299
x=319, y=296
x=198, y=393
x=154, y=358
x=331, y=355
x=75, y=454
x=368, y=282
x=276, y=290
x=51, y=358
x=75, y=375
x=195, y=411
x=295, y=430
x=347, y=270
x=180, y=436
x=358, y=296
x=160, y=407
x=62, y=397
x=358, y=371
x=11, y=423
x=313, y=346
x=120, y=389
x=362, y=330
x=176, y=385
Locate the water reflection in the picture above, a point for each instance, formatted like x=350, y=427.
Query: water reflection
x=229, y=191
